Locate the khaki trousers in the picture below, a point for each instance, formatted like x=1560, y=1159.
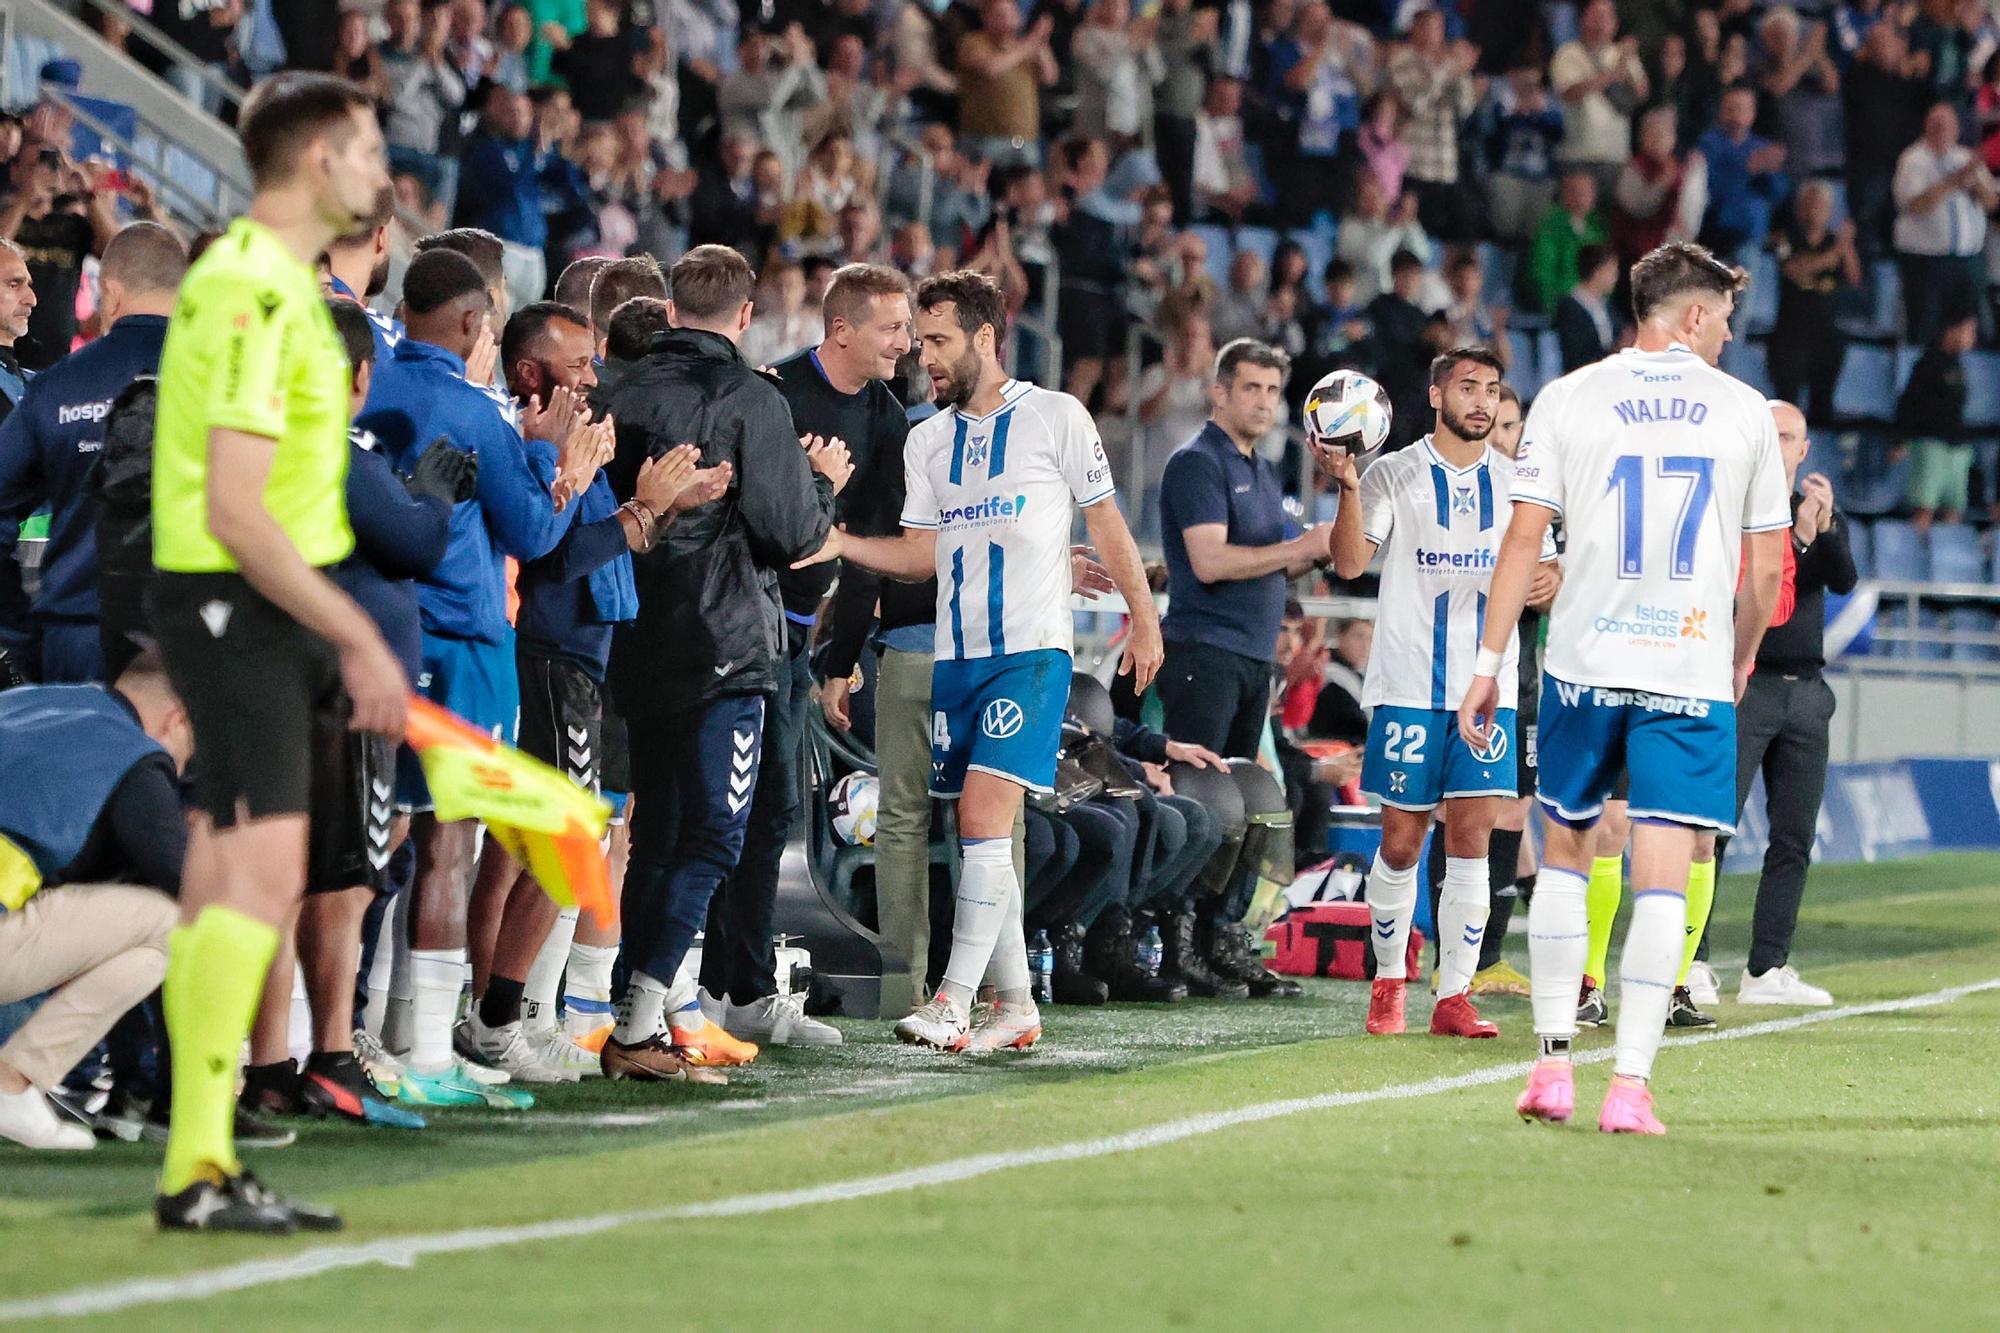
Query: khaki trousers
x=101, y=947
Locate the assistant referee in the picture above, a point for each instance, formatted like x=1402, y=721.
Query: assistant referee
x=250, y=460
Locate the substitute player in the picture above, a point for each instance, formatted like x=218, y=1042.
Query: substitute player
x=250, y=459
x=1439, y=508
x=1659, y=465
x=994, y=480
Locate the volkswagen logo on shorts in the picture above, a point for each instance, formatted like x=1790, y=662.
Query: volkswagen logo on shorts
x=1496, y=745
x=1001, y=719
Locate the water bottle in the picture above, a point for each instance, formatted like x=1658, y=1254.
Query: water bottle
x=1042, y=963
x=1152, y=952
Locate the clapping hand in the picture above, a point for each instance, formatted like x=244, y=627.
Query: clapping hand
x=484, y=358
x=830, y=459
x=554, y=422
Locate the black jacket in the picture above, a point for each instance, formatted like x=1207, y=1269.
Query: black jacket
x=710, y=622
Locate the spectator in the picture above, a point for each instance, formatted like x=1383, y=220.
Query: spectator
x=1403, y=348
x=1291, y=269
x=1093, y=243
x=1384, y=154
x=1225, y=188
x=1474, y=323
x=466, y=43
x=1601, y=82
x=725, y=206
x=1715, y=61
x=705, y=45
x=1584, y=328
x=1940, y=35
x=1886, y=97
x=1943, y=194
x=1185, y=46
x=776, y=82
x=1661, y=195
x=855, y=104
x=425, y=94
x=1319, y=73
x=1745, y=184
x=1117, y=65
x=1375, y=232
x=1336, y=330
x=960, y=204
x=17, y=311
x=1801, y=89
x=1817, y=261
x=1853, y=20
x=1001, y=72
x=1338, y=713
x=653, y=181
x=914, y=46
x=858, y=233
x=911, y=252
x=1571, y=223
x=357, y=59
x=513, y=33
x=1173, y=398
x=1987, y=104
x=501, y=191
x=1240, y=309
x=1931, y=417
x=1527, y=126
x=59, y=217
x=1437, y=83
x=204, y=29
x=596, y=66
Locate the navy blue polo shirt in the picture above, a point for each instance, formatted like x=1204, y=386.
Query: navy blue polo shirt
x=1210, y=480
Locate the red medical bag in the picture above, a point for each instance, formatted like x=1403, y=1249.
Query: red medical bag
x=1330, y=939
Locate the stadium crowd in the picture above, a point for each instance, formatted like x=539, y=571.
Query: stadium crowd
x=591, y=224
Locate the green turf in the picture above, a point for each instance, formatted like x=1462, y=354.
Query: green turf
x=1839, y=1176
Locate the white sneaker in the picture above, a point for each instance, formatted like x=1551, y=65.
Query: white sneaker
x=935, y=1023
x=778, y=1020
x=384, y=1068
x=1781, y=985
x=713, y=1008
x=506, y=1048
x=1703, y=988
x=28, y=1119
x=554, y=1048
x=1006, y=1029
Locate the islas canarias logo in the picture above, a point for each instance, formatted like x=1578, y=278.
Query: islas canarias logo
x=1694, y=625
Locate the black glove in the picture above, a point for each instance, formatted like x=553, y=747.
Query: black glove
x=450, y=474
x=11, y=674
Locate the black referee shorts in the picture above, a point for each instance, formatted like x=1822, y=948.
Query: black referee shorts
x=562, y=717
x=255, y=683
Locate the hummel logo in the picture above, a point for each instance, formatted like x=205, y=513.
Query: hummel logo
x=216, y=615
x=722, y=669
x=577, y=735
x=1385, y=927
x=742, y=771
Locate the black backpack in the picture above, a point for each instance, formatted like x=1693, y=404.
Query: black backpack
x=122, y=483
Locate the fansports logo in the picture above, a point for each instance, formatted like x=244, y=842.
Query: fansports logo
x=1694, y=625
x=993, y=510
x=1495, y=748
x=1573, y=696
x=1001, y=719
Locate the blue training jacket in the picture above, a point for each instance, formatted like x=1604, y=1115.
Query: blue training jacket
x=572, y=596
x=420, y=394
x=398, y=538
x=48, y=446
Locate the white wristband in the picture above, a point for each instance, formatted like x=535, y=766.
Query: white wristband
x=1488, y=662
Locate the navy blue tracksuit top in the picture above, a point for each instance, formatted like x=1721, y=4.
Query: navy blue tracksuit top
x=48, y=447
x=398, y=539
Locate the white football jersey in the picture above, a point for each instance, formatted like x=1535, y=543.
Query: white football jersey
x=1002, y=492
x=1658, y=463
x=1439, y=528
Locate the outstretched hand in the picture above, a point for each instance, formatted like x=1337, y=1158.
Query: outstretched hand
x=836, y=539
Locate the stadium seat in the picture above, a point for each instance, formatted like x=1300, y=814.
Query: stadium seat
x=1221, y=249
x=1899, y=555
x=1861, y=545
x=1761, y=309
x=1319, y=248
x=1746, y=361
x=1260, y=241
x=1982, y=389
x=1867, y=387
x=1549, y=355
x=1499, y=264
x=1931, y=647
x=1523, y=370
x=1955, y=554
x=1886, y=281
x=1839, y=189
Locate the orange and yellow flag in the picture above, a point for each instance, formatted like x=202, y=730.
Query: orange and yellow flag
x=545, y=821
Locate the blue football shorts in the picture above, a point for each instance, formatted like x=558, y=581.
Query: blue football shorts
x=1416, y=758
x=1680, y=753
x=999, y=715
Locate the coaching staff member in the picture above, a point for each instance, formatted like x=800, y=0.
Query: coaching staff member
x=1222, y=521
x=1782, y=725
x=250, y=461
x=693, y=673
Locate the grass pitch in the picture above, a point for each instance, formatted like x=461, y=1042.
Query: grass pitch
x=1839, y=1174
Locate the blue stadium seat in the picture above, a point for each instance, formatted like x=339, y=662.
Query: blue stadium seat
x=1886, y=281
x=1867, y=387
x=1956, y=556
x=1861, y=545
x=1523, y=369
x=1972, y=620
x=1899, y=555
x=1548, y=352
x=1260, y=241
x=1319, y=247
x=1906, y=361
x=1982, y=389
x=1761, y=309
x=1839, y=189
x=1746, y=361
x=1500, y=265
x=1221, y=249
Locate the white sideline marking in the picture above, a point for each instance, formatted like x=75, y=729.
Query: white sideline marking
x=404, y=1251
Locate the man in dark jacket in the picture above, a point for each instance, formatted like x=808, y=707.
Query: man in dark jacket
x=692, y=673
x=49, y=448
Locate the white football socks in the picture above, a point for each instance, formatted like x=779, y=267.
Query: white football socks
x=642, y=1011
x=437, y=975
x=538, y=992
x=1392, y=903
x=980, y=925
x=1654, y=938
x=1464, y=902
x=1558, y=943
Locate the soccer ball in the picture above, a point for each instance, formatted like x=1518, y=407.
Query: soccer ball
x=1348, y=410
x=855, y=801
